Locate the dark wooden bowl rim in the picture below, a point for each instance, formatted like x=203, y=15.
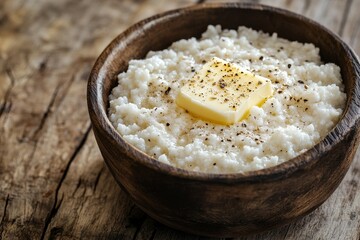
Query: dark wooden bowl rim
x=98, y=114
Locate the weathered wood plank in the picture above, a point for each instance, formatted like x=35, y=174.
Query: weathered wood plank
x=48, y=121
x=351, y=29
x=43, y=79
x=53, y=183
x=338, y=217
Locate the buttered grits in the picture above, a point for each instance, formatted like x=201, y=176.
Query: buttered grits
x=307, y=99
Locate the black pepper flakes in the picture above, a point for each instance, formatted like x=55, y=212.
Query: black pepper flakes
x=289, y=65
x=222, y=83
x=167, y=91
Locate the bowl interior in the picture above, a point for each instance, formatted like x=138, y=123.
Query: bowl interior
x=160, y=31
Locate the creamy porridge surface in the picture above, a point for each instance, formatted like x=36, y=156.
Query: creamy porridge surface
x=307, y=102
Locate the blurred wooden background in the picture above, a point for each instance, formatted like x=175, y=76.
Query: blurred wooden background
x=53, y=182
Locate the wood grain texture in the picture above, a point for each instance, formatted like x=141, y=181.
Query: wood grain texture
x=53, y=183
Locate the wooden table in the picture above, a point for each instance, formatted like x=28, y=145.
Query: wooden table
x=53, y=182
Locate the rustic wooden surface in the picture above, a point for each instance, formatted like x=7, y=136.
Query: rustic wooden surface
x=53, y=182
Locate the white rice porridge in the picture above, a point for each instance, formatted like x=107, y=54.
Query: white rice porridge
x=307, y=102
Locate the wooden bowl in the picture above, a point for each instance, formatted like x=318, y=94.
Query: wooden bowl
x=225, y=205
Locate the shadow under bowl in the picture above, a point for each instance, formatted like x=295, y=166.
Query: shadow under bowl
x=225, y=205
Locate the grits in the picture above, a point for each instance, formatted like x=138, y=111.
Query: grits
x=307, y=102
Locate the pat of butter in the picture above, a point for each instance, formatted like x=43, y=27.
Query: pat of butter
x=222, y=92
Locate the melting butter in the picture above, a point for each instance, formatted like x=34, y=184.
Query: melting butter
x=222, y=92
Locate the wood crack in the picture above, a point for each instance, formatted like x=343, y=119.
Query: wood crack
x=4, y=211
x=46, y=113
x=98, y=178
x=45, y=116
x=6, y=106
x=4, y=215
x=345, y=17
x=56, y=206
x=51, y=104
